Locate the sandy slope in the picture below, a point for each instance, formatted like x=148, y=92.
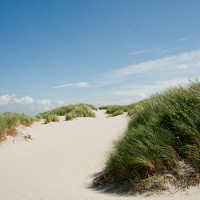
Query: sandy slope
x=60, y=161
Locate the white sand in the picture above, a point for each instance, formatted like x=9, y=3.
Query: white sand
x=60, y=161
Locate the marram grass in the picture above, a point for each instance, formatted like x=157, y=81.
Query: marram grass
x=164, y=131
x=132, y=109
x=10, y=121
x=114, y=110
x=70, y=112
x=50, y=118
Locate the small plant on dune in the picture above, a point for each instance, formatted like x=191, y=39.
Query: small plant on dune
x=137, y=107
x=70, y=116
x=10, y=121
x=51, y=118
x=78, y=110
x=162, y=137
x=90, y=106
x=132, y=109
x=117, y=112
x=37, y=118
x=114, y=110
x=103, y=107
x=83, y=111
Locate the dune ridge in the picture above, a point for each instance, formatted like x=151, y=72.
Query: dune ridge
x=61, y=160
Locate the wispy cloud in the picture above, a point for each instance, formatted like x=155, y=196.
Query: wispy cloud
x=126, y=84
x=183, y=39
x=144, y=51
x=62, y=86
x=169, y=50
x=155, y=50
x=82, y=84
x=142, y=91
x=172, y=64
x=73, y=85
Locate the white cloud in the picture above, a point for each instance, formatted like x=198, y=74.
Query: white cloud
x=82, y=84
x=6, y=99
x=183, y=39
x=155, y=50
x=41, y=105
x=144, y=51
x=9, y=102
x=61, y=86
x=27, y=100
x=43, y=102
x=74, y=85
x=11, y=99
x=60, y=102
x=171, y=64
x=143, y=91
x=182, y=66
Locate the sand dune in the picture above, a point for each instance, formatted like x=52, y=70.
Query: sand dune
x=60, y=161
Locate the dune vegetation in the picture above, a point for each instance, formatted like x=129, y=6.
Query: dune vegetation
x=70, y=112
x=161, y=144
x=50, y=118
x=10, y=121
x=114, y=110
x=131, y=109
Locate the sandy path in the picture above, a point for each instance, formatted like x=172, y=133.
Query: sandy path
x=59, y=162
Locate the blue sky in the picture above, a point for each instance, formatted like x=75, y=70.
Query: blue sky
x=94, y=51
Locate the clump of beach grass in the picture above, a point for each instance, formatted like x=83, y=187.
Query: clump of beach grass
x=83, y=110
x=50, y=118
x=114, y=110
x=10, y=121
x=70, y=112
x=80, y=110
x=163, y=137
x=69, y=116
x=131, y=109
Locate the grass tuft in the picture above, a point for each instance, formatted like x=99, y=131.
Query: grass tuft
x=10, y=121
x=162, y=136
x=114, y=110
x=70, y=116
x=70, y=112
x=50, y=118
